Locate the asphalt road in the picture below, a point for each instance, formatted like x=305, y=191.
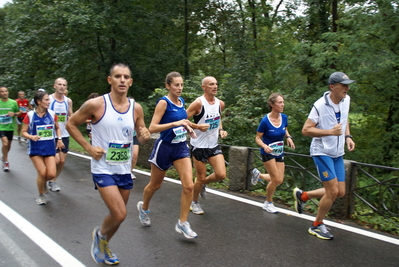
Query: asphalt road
x=232, y=232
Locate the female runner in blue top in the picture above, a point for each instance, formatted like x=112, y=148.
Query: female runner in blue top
x=270, y=137
x=170, y=119
x=40, y=127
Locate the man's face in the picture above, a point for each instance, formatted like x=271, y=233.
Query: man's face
x=210, y=86
x=120, y=79
x=4, y=93
x=60, y=86
x=339, y=90
x=21, y=95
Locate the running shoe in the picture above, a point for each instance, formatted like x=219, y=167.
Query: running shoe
x=19, y=139
x=54, y=187
x=98, y=247
x=6, y=166
x=41, y=200
x=255, y=176
x=110, y=258
x=185, y=229
x=269, y=207
x=321, y=232
x=143, y=214
x=203, y=191
x=298, y=202
x=195, y=207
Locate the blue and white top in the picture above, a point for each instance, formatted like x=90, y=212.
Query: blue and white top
x=173, y=113
x=45, y=128
x=273, y=136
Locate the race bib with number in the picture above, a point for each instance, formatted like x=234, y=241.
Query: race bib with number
x=61, y=117
x=46, y=132
x=180, y=133
x=5, y=119
x=118, y=153
x=23, y=109
x=213, y=123
x=278, y=148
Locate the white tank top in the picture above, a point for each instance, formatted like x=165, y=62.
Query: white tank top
x=61, y=110
x=209, y=114
x=114, y=133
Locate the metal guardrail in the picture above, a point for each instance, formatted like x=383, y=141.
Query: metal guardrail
x=372, y=189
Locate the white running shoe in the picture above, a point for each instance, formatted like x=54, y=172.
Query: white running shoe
x=41, y=200
x=143, y=214
x=195, y=207
x=185, y=229
x=255, y=176
x=269, y=207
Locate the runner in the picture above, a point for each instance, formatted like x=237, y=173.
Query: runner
x=270, y=137
x=62, y=106
x=205, y=148
x=24, y=106
x=114, y=117
x=8, y=110
x=40, y=126
x=328, y=125
x=170, y=118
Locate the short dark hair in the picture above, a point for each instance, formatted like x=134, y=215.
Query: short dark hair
x=122, y=65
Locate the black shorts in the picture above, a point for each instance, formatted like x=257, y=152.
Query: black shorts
x=202, y=154
x=8, y=134
x=135, y=140
x=270, y=157
x=65, y=140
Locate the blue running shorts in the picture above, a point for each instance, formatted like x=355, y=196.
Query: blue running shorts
x=164, y=154
x=122, y=181
x=330, y=168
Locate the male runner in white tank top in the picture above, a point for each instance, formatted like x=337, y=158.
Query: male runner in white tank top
x=62, y=106
x=114, y=118
x=206, y=111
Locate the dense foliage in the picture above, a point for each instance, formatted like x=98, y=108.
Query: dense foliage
x=252, y=47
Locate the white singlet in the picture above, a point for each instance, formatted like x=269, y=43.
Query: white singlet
x=209, y=114
x=114, y=133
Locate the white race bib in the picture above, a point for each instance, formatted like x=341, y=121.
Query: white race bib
x=278, y=148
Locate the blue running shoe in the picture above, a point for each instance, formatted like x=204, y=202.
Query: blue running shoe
x=321, y=232
x=98, y=247
x=110, y=258
x=185, y=229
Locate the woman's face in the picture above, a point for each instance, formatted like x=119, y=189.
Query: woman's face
x=278, y=105
x=176, y=86
x=45, y=102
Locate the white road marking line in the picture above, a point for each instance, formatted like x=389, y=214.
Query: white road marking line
x=348, y=228
x=55, y=251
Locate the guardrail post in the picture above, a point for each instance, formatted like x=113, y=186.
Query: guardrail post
x=238, y=168
x=343, y=207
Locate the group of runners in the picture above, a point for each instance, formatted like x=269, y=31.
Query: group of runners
x=40, y=122
x=117, y=125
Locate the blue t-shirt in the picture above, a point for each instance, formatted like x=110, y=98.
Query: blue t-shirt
x=272, y=134
x=173, y=113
